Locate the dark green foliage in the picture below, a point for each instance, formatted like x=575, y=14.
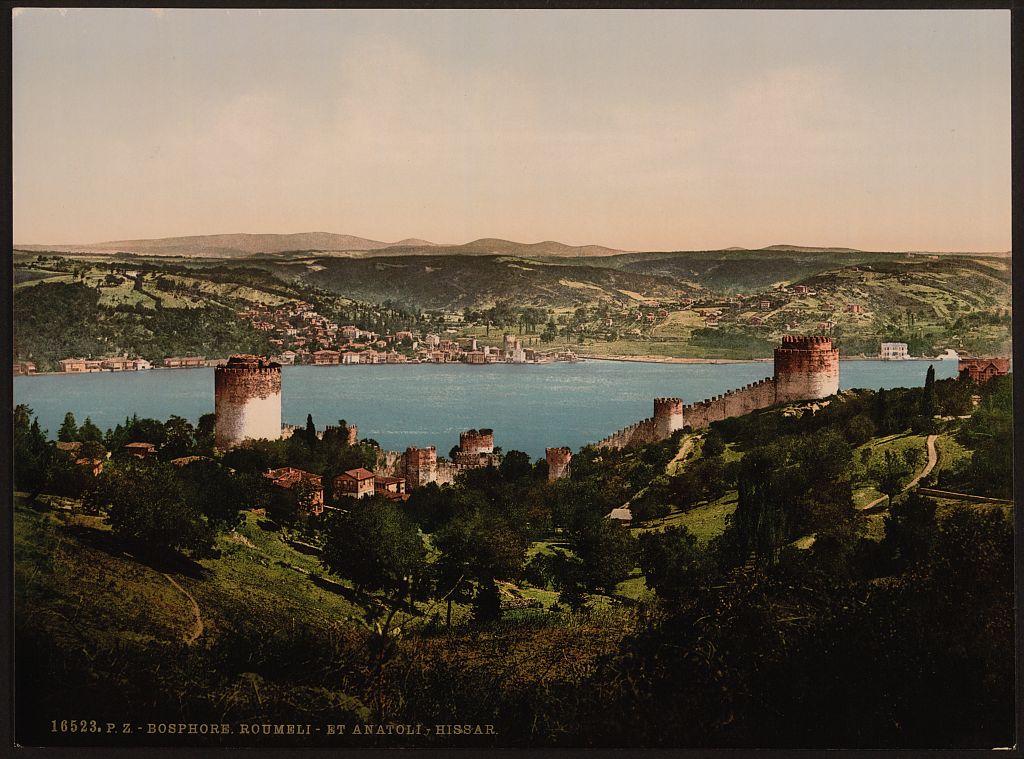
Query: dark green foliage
x=85, y=328
x=672, y=563
x=754, y=347
x=892, y=473
x=607, y=551
x=374, y=545
x=68, y=429
x=221, y=495
x=989, y=432
x=149, y=508
x=911, y=530
x=859, y=430
x=30, y=450
x=713, y=444
x=480, y=546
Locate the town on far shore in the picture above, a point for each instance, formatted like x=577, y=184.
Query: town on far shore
x=296, y=326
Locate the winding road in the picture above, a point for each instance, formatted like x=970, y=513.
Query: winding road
x=933, y=459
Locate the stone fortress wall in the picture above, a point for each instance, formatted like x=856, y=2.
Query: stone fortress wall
x=806, y=368
x=247, y=400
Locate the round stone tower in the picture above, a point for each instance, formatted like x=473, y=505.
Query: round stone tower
x=806, y=367
x=476, y=441
x=558, y=462
x=247, y=400
x=668, y=416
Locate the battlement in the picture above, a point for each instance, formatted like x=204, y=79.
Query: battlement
x=806, y=342
x=247, y=400
x=249, y=362
x=476, y=441
x=806, y=368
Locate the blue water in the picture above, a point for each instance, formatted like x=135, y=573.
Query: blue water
x=529, y=407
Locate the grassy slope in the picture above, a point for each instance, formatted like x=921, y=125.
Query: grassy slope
x=456, y=282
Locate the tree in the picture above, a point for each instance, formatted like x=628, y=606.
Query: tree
x=179, y=439
x=68, y=432
x=480, y=546
x=672, y=562
x=31, y=452
x=891, y=474
x=89, y=432
x=221, y=495
x=713, y=444
x=928, y=400
x=859, y=430
x=911, y=529
x=608, y=552
x=148, y=507
x=759, y=519
x=515, y=466
x=376, y=546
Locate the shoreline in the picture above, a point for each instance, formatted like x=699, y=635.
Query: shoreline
x=641, y=359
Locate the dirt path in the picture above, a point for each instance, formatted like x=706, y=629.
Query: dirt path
x=933, y=459
x=198, y=627
x=684, y=451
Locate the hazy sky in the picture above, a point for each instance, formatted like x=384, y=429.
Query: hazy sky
x=644, y=130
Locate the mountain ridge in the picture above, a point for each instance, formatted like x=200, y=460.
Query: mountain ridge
x=246, y=244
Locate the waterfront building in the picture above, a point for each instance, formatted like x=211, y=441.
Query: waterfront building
x=893, y=352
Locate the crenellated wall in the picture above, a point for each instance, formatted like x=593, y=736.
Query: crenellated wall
x=806, y=368
x=752, y=397
x=641, y=433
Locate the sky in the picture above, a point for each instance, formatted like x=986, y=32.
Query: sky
x=634, y=129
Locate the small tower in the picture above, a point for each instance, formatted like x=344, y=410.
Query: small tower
x=806, y=368
x=558, y=460
x=668, y=417
x=420, y=466
x=247, y=400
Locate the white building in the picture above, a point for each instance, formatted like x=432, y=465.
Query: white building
x=894, y=352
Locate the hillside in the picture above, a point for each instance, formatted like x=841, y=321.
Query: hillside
x=733, y=271
x=456, y=282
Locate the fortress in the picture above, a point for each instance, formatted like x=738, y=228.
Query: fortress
x=806, y=368
x=247, y=400
x=248, y=405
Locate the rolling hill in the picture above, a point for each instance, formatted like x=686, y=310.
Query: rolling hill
x=303, y=243
x=456, y=282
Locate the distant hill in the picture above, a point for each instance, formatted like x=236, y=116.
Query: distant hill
x=228, y=245
x=245, y=245
x=493, y=246
x=811, y=249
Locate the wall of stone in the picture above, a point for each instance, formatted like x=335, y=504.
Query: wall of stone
x=641, y=433
x=752, y=397
x=476, y=441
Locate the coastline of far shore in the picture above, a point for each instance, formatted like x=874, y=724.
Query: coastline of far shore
x=653, y=359
x=642, y=359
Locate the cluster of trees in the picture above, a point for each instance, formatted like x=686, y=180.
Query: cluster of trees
x=989, y=435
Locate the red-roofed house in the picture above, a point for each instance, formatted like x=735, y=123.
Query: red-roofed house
x=355, y=483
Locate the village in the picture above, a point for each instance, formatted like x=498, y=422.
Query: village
x=304, y=336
